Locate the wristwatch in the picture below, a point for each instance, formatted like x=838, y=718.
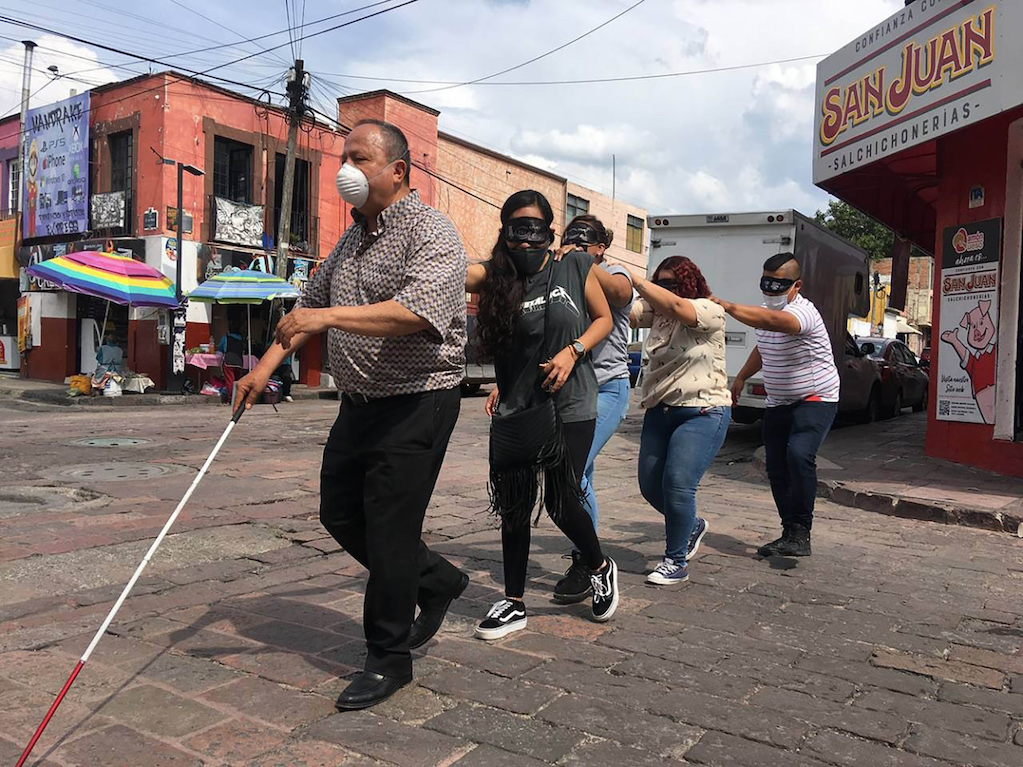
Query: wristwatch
x=577, y=347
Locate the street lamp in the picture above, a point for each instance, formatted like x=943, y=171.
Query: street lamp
x=176, y=371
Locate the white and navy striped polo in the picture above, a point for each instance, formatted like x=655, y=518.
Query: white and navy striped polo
x=801, y=365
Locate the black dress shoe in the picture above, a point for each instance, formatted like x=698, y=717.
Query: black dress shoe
x=429, y=621
x=369, y=688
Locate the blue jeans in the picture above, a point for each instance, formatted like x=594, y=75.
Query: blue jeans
x=612, y=405
x=677, y=447
x=792, y=436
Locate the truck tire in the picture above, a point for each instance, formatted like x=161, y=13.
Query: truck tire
x=746, y=415
x=470, y=389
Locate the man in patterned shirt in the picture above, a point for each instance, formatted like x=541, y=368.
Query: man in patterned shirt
x=391, y=298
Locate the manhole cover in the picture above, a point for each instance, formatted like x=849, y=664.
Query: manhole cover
x=111, y=442
x=117, y=472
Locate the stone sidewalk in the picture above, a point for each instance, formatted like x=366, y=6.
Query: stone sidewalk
x=898, y=643
x=882, y=468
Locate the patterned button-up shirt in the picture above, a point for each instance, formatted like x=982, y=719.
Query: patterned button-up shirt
x=415, y=258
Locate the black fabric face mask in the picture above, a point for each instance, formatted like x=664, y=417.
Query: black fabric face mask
x=773, y=286
x=580, y=235
x=534, y=231
x=528, y=261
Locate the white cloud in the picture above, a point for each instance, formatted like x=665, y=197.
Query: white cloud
x=77, y=66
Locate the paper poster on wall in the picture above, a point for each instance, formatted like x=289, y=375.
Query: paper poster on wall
x=55, y=185
x=969, y=322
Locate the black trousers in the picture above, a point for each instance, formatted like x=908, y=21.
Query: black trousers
x=380, y=466
x=792, y=436
x=575, y=523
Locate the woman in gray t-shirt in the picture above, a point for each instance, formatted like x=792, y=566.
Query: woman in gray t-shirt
x=587, y=235
x=538, y=319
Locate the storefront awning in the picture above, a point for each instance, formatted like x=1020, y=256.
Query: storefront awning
x=904, y=328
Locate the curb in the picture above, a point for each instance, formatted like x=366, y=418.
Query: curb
x=906, y=508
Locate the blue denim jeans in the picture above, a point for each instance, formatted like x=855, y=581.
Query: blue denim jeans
x=792, y=436
x=612, y=405
x=677, y=447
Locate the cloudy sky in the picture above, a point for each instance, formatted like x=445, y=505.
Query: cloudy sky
x=733, y=140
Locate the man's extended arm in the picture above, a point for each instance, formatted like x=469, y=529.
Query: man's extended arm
x=761, y=318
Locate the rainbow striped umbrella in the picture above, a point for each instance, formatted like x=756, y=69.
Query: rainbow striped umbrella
x=116, y=278
x=243, y=286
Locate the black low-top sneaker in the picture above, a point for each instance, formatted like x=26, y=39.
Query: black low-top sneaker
x=505, y=617
x=575, y=586
x=605, y=591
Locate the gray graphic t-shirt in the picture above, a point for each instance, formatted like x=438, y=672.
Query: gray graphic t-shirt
x=611, y=356
x=518, y=376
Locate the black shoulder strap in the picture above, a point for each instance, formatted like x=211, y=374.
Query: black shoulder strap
x=547, y=305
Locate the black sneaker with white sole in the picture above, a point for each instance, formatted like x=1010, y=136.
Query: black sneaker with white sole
x=504, y=618
x=605, y=592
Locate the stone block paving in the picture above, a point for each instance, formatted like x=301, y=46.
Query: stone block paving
x=899, y=643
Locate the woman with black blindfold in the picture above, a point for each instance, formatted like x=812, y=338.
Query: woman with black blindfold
x=688, y=405
x=538, y=319
x=588, y=234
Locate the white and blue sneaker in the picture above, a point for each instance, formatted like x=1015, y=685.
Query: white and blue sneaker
x=699, y=530
x=505, y=616
x=669, y=573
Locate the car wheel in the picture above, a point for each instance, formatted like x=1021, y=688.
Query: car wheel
x=921, y=406
x=873, y=410
x=470, y=389
x=897, y=405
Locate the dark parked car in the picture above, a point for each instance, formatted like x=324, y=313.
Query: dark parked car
x=861, y=384
x=904, y=381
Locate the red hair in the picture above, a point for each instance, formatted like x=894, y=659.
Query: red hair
x=691, y=283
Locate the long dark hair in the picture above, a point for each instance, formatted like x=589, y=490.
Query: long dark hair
x=502, y=291
x=691, y=283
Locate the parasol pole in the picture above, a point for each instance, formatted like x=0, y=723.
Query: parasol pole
x=248, y=320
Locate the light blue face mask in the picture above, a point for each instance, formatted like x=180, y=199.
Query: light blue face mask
x=776, y=303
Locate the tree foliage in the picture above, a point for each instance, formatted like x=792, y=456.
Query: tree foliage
x=845, y=221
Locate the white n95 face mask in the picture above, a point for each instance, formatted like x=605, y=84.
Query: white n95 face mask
x=776, y=303
x=352, y=185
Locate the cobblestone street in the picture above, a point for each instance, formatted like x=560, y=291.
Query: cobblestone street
x=897, y=644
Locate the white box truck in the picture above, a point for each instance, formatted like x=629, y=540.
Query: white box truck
x=730, y=249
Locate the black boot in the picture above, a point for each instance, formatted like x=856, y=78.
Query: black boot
x=796, y=544
x=771, y=549
x=576, y=585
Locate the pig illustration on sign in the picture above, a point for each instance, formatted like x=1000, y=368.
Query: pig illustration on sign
x=977, y=355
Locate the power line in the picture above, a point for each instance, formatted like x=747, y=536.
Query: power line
x=591, y=80
x=535, y=58
x=222, y=26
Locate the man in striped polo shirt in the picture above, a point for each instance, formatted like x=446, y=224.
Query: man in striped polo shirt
x=795, y=356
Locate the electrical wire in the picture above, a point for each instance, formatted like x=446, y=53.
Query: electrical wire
x=535, y=58
x=224, y=27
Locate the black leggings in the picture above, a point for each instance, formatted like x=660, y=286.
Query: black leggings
x=575, y=522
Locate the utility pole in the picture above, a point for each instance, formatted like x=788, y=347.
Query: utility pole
x=298, y=85
x=26, y=91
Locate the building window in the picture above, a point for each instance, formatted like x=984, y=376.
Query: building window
x=122, y=159
x=575, y=206
x=232, y=170
x=634, y=234
x=14, y=183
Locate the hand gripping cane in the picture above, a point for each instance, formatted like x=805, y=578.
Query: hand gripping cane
x=131, y=584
